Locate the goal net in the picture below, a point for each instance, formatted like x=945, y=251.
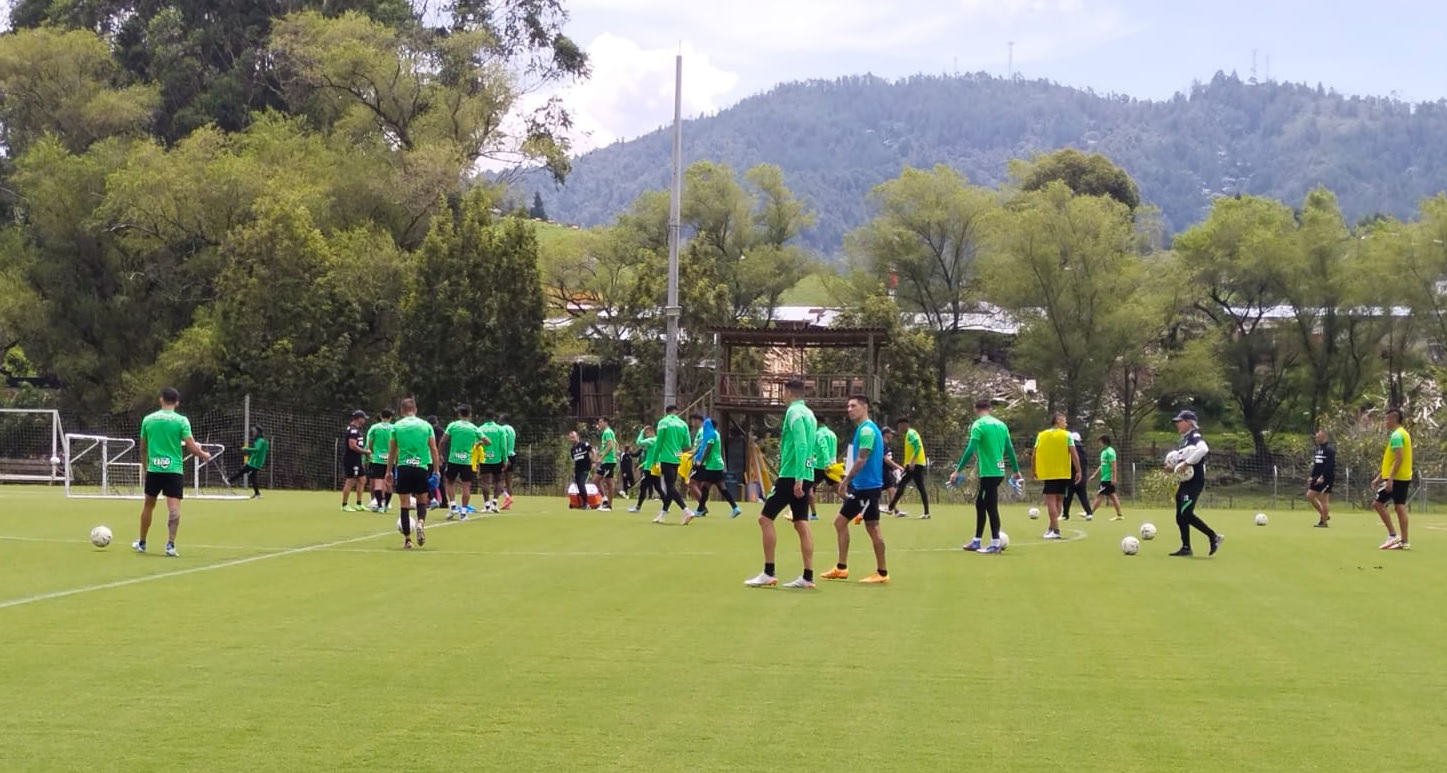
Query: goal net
x=31, y=446
x=101, y=467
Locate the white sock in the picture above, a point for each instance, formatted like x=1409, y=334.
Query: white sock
x=994, y=543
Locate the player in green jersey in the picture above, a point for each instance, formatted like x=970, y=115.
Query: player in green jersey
x=791, y=489
x=253, y=456
x=607, y=462
x=673, y=440
x=510, y=458
x=1106, y=471
x=708, y=469
x=494, y=461
x=379, y=441
x=165, y=436
x=993, y=451
x=458, y=440
x=412, y=453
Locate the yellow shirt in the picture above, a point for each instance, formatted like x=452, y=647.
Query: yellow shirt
x=913, y=448
x=1399, y=439
x=1052, y=455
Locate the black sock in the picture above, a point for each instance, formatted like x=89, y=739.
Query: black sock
x=883, y=572
x=808, y=575
x=387, y=500
x=729, y=497
x=702, y=497
x=769, y=569
x=841, y=567
x=406, y=522
x=421, y=513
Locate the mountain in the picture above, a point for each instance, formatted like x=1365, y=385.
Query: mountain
x=837, y=139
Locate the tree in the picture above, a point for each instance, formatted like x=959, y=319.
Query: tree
x=537, y=212
x=1086, y=174
x=928, y=235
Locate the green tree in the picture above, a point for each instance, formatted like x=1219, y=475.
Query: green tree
x=1086, y=174
x=537, y=212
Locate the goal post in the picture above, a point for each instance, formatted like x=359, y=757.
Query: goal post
x=31, y=446
x=102, y=467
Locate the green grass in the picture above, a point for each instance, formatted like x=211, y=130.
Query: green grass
x=290, y=636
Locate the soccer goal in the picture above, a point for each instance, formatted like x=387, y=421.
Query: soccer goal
x=100, y=467
x=31, y=446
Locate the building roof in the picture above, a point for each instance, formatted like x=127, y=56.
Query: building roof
x=801, y=336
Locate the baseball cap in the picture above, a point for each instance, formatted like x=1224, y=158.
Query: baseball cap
x=359, y=414
x=1185, y=416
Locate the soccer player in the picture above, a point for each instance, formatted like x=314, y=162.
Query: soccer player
x=990, y=445
x=510, y=459
x=626, y=471
x=253, y=457
x=165, y=436
x=412, y=452
x=791, y=489
x=1321, y=478
x=863, y=485
x=459, y=439
x=1106, y=471
x=379, y=444
x=1077, y=482
x=1395, y=479
x=1057, y=465
x=1191, y=453
x=581, y=452
x=607, y=462
x=826, y=450
x=914, y=470
x=352, y=452
x=494, y=461
x=646, y=443
x=893, y=473
x=709, y=470
x=672, y=434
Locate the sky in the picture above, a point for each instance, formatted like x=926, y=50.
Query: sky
x=1142, y=48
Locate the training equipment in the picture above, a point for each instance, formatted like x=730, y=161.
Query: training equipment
x=595, y=499
x=100, y=536
x=1034, y=512
x=1130, y=545
x=411, y=520
x=32, y=446
x=99, y=467
x=1185, y=474
x=1148, y=531
x=1004, y=540
x=1261, y=519
x=1173, y=458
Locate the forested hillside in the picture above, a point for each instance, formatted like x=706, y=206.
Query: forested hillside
x=835, y=140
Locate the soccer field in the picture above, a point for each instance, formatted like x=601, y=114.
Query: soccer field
x=290, y=636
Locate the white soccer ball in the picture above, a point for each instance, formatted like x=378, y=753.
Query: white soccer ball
x=100, y=536
x=1148, y=531
x=411, y=520
x=54, y=460
x=1130, y=545
x=1004, y=540
x=1034, y=512
x=1186, y=474
x=1173, y=458
x=1261, y=519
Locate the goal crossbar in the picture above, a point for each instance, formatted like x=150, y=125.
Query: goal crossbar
x=102, y=467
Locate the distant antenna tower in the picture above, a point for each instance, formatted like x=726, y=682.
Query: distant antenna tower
x=1268, y=67
x=1010, y=66
x=957, y=67
x=1253, y=65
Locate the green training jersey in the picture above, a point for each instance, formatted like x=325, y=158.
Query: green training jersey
x=163, y=433
x=379, y=442
x=512, y=440
x=796, y=442
x=990, y=442
x=672, y=435
x=411, y=435
x=608, y=443
x=256, y=452
x=713, y=457
x=648, y=443
x=826, y=448
x=495, y=452
x=1107, y=465
x=462, y=435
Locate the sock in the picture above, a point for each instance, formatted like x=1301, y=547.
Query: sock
x=703, y=497
x=994, y=542
x=421, y=514
x=883, y=572
x=769, y=569
x=407, y=522
x=387, y=500
x=728, y=497
x=809, y=575
x=142, y=543
x=841, y=567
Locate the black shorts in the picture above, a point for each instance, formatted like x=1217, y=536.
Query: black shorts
x=1106, y=488
x=864, y=501
x=352, y=468
x=1324, y=488
x=172, y=485
x=820, y=478
x=512, y=462
x=1059, y=486
x=1397, y=496
x=455, y=471
x=783, y=496
x=490, y=469
x=411, y=480
x=605, y=470
x=377, y=470
x=715, y=477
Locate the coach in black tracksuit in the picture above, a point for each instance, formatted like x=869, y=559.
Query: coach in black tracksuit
x=1077, y=487
x=1191, y=454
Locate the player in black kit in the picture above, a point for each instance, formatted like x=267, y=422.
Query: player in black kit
x=581, y=453
x=1323, y=475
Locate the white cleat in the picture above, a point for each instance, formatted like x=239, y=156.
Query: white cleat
x=799, y=583
x=659, y=518
x=924, y=517
x=1051, y=535
x=1089, y=517
x=171, y=551
x=632, y=509
x=688, y=515
x=761, y=581
x=138, y=547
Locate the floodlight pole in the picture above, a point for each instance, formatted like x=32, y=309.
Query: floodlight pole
x=675, y=227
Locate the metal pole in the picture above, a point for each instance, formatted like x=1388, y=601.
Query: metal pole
x=246, y=421
x=675, y=229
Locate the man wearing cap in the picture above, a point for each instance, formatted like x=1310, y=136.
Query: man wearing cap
x=352, y=470
x=1190, y=471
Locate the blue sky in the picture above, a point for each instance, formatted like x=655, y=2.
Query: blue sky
x=1136, y=47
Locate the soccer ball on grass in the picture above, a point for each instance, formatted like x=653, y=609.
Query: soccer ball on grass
x=1261, y=519
x=1034, y=513
x=100, y=536
x=1130, y=545
x=411, y=520
x=1004, y=540
x=1148, y=531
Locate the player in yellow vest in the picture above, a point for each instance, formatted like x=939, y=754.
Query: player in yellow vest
x=1395, y=480
x=1057, y=465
